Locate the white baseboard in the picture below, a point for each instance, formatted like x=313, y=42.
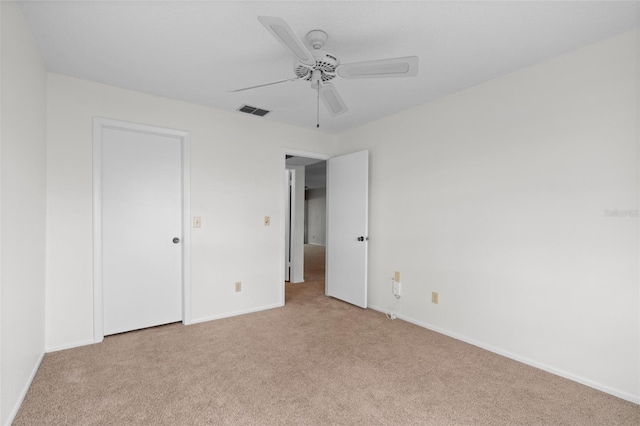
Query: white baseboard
x=56, y=348
x=236, y=313
x=611, y=391
x=72, y=345
x=16, y=408
x=316, y=244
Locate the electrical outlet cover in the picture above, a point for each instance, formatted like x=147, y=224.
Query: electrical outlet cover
x=396, y=288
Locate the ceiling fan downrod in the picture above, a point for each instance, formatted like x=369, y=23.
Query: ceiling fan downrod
x=318, y=108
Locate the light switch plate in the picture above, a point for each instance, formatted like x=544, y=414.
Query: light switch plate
x=196, y=222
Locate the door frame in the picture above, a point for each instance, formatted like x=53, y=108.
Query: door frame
x=287, y=224
x=99, y=124
x=283, y=207
x=295, y=205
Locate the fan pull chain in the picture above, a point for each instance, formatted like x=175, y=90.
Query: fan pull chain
x=318, y=107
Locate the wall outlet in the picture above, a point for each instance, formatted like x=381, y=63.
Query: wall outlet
x=267, y=221
x=396, y=288
x=396, y=276
x=434, y=297
x=196, y=222
x=238, y=286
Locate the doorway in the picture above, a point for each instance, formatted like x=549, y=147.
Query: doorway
x=347, y=188
x=305, y=213
x=141, y=226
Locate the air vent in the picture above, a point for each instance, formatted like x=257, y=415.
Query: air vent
x=253, y=110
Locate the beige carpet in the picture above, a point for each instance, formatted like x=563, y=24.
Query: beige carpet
x=316, y=361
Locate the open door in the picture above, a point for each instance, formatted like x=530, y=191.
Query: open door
x=347, y=227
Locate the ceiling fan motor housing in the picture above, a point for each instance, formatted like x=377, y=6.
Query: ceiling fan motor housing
x=326, y=63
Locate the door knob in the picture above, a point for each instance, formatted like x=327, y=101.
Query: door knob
x=360, y=238
x=176, y=240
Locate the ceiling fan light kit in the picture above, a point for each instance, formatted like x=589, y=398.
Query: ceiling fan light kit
x=319, y=67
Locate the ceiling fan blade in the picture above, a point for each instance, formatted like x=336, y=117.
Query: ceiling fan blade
x=285, y=35
x=262, y=85
x=332, y=100
x=381, y=68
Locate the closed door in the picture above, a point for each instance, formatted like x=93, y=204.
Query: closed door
x=141, y=229
x=347, y=224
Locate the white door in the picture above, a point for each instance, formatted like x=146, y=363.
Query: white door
x=347, y=224
x=141, y=229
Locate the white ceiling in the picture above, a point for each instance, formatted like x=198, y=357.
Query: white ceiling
x=196, y=51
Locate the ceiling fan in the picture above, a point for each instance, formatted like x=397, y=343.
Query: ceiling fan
x=320, y=67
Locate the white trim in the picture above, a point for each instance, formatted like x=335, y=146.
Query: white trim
x=72, y=345
x=287, y=225
x=306, y=154
x=611, y=391
x=98, y=334
x=236, y=313
x=186, y=228
x=294, y=271
x=25, y=389
x=10, y=418
x=637, y=64
x=98, y=124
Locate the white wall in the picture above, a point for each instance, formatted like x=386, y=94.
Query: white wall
x=317, y=216
x=237, y=164
x=22, y=213
x=495, y=197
